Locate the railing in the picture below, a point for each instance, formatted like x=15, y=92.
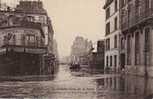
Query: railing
x=136, y=18
x=23, y=43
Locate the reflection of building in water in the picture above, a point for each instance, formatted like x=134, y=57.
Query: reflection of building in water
x=110, y=87
x=124, y=87
x=26, y=40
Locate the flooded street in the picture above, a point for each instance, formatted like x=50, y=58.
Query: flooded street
x=74, y=85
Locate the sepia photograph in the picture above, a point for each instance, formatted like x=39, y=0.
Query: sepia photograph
x=76, y=49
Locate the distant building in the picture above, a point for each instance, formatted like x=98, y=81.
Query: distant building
x=97, y=58
x=137, y=36
x=101, y=53
x=112, y=35
x=80, y=50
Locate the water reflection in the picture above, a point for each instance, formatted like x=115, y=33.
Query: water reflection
x=125, y=87
x=68, y=85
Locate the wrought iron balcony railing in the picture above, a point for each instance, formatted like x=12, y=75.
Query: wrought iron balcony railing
x=136, y=18
x=25, y=44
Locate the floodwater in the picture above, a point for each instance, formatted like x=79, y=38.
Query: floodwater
x=80, y=85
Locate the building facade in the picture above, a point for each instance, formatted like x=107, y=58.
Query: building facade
x=101, y=53
x=97, y=59
x=137, y=35
x=80, y=50
x=112, y=35
x=26, y=40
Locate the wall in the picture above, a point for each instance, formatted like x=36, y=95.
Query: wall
x=19, y=33
x=113, y=51
x=139, y=69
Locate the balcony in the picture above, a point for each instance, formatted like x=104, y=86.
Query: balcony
x=28, y=47
x=25, y=24
x=136, y=19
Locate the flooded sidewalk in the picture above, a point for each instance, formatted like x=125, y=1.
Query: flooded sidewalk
x=67, y=85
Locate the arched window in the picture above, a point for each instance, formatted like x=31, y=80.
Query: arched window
x=129, y=50
x=137, y=49
x=147, y=47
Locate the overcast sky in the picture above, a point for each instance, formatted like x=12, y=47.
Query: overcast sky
x=76, y=17
x=71, y=18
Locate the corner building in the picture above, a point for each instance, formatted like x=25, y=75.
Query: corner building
x=112, y=35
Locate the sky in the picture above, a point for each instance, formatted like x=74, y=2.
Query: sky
x=71, y=18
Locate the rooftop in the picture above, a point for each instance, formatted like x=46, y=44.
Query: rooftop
x=30, y=7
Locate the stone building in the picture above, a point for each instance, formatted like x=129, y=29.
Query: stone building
x=97, y=58
x=112, y=33
x=26, y=37
x=101, y=53
x=80, y=50
x=137, y=27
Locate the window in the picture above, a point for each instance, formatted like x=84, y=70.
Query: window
x=111, y=60
x=147, y=46
x=108, y=28
x=115, y=23
x=123, y=2
x=30, y=39
x=14, y=39
x=107, y=61
x=115, y=41
x=111, y=82
x=107, y=44
x=137, y=7
x=23, y=39
x=116, y=5
x=107, y=13
x=150, y=3
x=129, y=50
x=115, y=61
x=137, y=3
x=122, y=43
x=137, y=49
x=147, y=31
x=36, y=18
x=147, y=4
x=115, y=83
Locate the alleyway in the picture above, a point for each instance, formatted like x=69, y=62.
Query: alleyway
x=74, y=85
